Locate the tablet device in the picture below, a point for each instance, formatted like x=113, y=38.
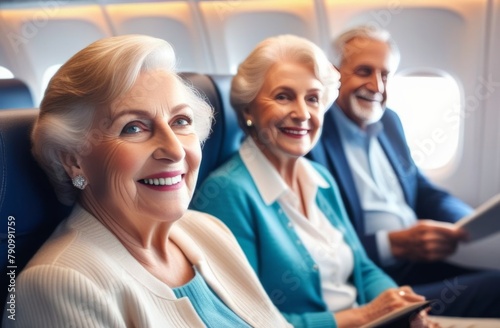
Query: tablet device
x=484, y=221
x=399, y=318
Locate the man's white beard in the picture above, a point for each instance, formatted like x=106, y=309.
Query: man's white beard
x=367, y=115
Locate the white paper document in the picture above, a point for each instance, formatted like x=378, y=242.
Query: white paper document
x=484, y=221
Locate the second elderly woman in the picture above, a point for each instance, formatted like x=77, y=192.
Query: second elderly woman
x=286, y=211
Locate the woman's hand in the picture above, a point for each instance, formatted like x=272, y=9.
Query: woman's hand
x=386, y=302
x=422, y=321
x=389, y=301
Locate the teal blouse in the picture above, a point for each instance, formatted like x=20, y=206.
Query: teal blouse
x=208, y=305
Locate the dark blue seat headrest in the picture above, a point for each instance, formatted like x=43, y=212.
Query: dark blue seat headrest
x=27, y=197
x=226, y=135
x=14, y=93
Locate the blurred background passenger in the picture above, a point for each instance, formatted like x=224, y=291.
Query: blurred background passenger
x=404, y=221
x=119, y=135
x=285, y=210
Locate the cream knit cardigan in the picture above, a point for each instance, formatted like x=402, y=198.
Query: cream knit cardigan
x=84, y=277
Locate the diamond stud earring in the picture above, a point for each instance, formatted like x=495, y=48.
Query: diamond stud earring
x=79, y=182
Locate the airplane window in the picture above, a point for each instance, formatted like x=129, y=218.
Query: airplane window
x=430, y=110
x=5, y=73
x=47, y=75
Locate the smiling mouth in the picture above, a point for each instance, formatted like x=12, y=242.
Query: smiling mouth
x=162, y=181
x=296, y=132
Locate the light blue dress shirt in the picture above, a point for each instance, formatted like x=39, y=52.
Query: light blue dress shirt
x=379, y=191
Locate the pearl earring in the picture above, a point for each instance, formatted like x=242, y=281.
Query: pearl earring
x=249, y=123
x=79, y=182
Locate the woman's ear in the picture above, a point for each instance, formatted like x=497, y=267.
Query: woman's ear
x=71, y=164
x=247, y=118
x=246, y=113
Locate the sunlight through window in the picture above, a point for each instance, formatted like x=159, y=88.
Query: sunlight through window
x=49, y=72
x=429, y=107
x=5, y=73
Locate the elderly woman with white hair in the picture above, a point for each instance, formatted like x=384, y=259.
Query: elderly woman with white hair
x=285, y=210
x=120, y=135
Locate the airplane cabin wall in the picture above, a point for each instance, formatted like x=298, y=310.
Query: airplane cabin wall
x=490, y=137
x=48, y=35
x=235, y=27
x=456, y=38
x=177, y=22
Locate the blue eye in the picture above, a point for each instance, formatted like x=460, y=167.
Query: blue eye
x=131, y=129
x=183, y=121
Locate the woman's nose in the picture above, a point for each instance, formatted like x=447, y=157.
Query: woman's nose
x=168, y=145
x=301, y=111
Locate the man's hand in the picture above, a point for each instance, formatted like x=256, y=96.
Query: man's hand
x=428, y=240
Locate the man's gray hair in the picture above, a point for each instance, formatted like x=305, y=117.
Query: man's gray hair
x=364, y=32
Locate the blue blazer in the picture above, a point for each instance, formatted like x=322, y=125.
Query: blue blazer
x=426, y=199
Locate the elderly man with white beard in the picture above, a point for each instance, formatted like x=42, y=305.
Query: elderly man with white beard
x=404, y=221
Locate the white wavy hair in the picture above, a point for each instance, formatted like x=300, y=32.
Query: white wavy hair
x=91, y=79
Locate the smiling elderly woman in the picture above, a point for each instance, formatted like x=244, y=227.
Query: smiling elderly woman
x=285, y=210
x=119, y=133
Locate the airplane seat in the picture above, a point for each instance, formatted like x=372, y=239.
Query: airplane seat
x=226, y=135
x=29, y=209
x=14, y=93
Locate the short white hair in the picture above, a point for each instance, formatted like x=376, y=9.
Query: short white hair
x=249, y=79
x=91, y=79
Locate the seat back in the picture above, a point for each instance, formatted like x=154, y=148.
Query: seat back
x=27, y=198
x=14, y=93
x=226, y=135
x=29, y=210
